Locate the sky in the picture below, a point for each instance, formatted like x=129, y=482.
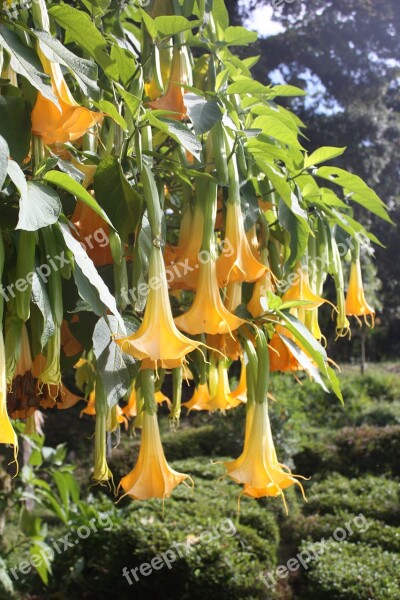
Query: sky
x=261, y=21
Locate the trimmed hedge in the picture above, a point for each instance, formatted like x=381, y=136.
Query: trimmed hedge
x=374, y=497
x=353, y=572
x=353, y=451
x=224, y=568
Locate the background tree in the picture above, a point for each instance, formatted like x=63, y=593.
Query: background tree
x=347, y=55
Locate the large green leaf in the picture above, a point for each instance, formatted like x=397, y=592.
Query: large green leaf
x=239, y=36
x=203, y=114
x=298, y=230
x=40, y=298
x=275, y=128
x=313, y=349
x=25, y=62
x=167, y=26
x=67, y=183
x=179, y=132
x=85, y=71
x=118, y=369
x=247, y=85
x=79, y=28
x=15, y=126
x=322, y=155
x=90, y=284
x=4, y=154
x=118, y=198
x=41, y=207
x=360, y=192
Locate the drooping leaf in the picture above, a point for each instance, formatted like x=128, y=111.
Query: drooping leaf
x=203, y=114
x=179, y=132
x=40, y=298
x=39, y=208
x=69, y=184
x=85, y=71
x=298, y=230
x=4, y=154
x=118, y=369
x=87, y=272
x=121, y=202
x=360, y=191
x=25, y=62
x=15, y=126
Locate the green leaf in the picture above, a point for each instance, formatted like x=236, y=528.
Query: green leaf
x=322, y=155
x=179, y=132
x=17, y=176
x=40, y=298
x=303, y=360
x=85, y=71
x=80, y=29
x=360, y=192
x=170, y=25
x=313, y=348
x=4, y=154
x=287, y=90
x=118, y=198
x=203, y=114
x=133, y=103
x=15, y=126
x=67, y=183
x=275, y=128
x=240, y=36
x=86, y=273
x=247, y=85
x=111, y=111
x=41, y=207
x=220, y=13
x=25, y=62
x=118, y=369
x=298, y=230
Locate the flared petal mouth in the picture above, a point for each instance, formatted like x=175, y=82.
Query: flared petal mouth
x=158, y=341
x=208, y=313
x=151, y=477
x=200, y=399
x=356, y=304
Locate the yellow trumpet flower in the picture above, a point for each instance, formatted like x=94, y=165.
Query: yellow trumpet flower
x=356, y=304
x=67, y=123
x=221, y=397
x=157, y=341
x=240, y=264
x=208, y=313
x=258, y=467
x=300, y=290
x=7, y=433
x=173, y=98
x=200, y=399
x=151, y=477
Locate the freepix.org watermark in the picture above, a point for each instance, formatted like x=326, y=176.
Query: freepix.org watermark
x=62, y=544
x=179, y=550
x=312, y=552
x=43, y=271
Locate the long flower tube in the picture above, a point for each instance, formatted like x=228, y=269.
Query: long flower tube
x=356, y=303
x=157, y=342
x=102, y=473
x=208, y=313
x=151, y=477
x=172, y=100
x=7, y=433
x=258, y=468
x=66, y=123
x=336, y=270
x=240, y=265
